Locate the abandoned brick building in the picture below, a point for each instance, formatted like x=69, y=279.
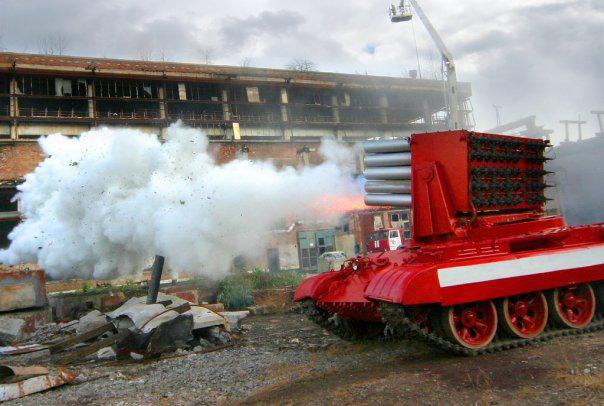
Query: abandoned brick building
x=267, y=113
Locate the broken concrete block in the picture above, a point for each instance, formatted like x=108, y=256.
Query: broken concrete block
x=159, y=320
x=217, y=336
x=203, y=317
x=234, y=318
x=11, y=330
x=171, y=335
x=91, y=321
x=106, y=353
x=136, y=356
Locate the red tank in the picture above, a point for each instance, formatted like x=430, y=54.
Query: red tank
x=486, y=269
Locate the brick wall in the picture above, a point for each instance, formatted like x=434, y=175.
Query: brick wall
x=20, y=158
x=17, y=159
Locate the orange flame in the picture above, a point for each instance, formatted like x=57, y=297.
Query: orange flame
x=332, y=204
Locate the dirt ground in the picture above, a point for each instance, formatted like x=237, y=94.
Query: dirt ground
x=284, y=359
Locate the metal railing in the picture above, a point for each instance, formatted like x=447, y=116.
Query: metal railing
x=129, y=115
x=255, y=118
x=312, y=119
x=4, y=110
x=45, y=112
x=192, y=116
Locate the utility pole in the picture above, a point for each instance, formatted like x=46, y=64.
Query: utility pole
x=402, y=14
x=578, y=122
x=600, y=115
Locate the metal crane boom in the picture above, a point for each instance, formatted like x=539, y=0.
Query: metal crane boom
x=449, y=65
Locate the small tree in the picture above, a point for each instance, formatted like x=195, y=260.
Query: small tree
x=207, y=55
x=53, y=44
x=302, y=65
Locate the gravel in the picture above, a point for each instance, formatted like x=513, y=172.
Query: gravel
x=271, y=350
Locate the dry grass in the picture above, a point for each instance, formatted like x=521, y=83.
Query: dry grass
x=277, y=302
x=580, y=377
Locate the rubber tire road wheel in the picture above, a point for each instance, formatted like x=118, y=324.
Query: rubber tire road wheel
x=572, y=306
x=523, y=316
x=471, y=325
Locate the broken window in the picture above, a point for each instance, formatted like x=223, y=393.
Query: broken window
x=253, y=95
x=203, y=91
x=118, y=88
x=4, y=84
x=171, y=91
x=5, y=228
x=6, y=199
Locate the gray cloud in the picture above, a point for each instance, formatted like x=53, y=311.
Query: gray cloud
x=533, y=57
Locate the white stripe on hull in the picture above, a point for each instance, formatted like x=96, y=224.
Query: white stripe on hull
x=579, y=258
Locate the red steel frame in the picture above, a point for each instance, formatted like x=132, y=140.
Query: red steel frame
x=462, y=253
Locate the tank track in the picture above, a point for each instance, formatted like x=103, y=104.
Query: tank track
x=401, y=325
x=351, y=330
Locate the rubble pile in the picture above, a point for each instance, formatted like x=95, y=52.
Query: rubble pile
x=138, y=330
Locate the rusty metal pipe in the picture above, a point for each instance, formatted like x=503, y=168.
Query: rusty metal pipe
x=156, y=271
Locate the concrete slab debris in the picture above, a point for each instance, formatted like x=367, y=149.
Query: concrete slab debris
x=204, y=317
x=90, y=321
x=158, y=320
x=21, y=288
x=11, y=330
x=234, y=318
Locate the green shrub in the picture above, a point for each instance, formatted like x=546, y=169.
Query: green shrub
x=235, y=291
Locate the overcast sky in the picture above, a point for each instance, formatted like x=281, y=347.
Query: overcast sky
x=542, y=57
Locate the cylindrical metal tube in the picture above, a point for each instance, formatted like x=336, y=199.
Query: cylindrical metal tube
x=388, y=173
x=156, y=271
x=390, y=186
x=395, y=159
x=388, y=200
x=376, y=147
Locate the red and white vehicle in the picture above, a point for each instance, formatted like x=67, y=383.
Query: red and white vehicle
x=386, y=239
x=486, y=269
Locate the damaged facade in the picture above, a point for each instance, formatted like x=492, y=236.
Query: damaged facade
x=264, y=113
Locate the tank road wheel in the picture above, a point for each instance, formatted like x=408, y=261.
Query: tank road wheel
x=471, y=325
x=523, y=316
x=572, y=306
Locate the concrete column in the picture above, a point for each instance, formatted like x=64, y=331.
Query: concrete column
x=427, y=115
x=384, y=108
x=162, y=103
x=226, y=111
x=13, y=130
x=90, y=92
x=287, y=134
x=163, y=133
x=13, y=100
x=283, y=107
x=335, y=111
x=340, y=134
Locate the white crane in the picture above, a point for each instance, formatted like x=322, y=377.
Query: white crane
x=403, y=13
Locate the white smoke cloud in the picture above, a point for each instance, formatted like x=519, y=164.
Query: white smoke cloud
x=103, y=204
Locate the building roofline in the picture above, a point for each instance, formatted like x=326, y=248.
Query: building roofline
x=189, y=71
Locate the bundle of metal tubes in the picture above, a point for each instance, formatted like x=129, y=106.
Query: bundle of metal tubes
x=388, y=173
